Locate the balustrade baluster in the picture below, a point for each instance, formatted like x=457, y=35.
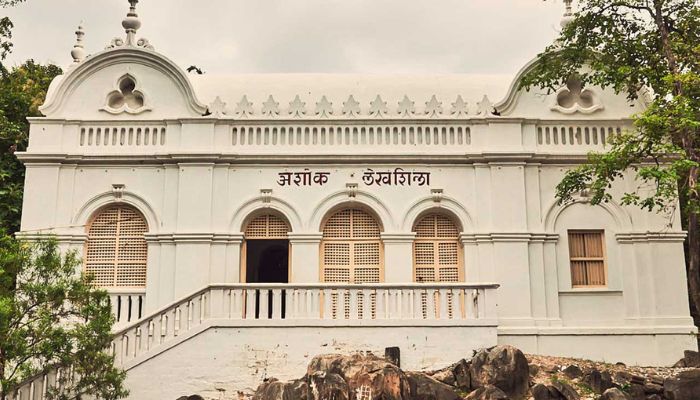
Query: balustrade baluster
x=276, y=304
x=367, y=304
x=443, y=308
x=354, y=303
x=250, y=303
x=263, y=310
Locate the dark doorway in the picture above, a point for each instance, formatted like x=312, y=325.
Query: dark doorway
x=267, y=261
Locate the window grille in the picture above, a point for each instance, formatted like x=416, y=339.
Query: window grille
x=587, y=257
x=436, y=256
x=117, y=251
x=267, y=227
x=436, y=250
x=351, y=252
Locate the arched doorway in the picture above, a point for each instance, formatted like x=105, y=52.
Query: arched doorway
x=266, y=250
x=266, y=255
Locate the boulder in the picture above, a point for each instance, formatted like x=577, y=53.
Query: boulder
x=691, y=359
x=193, y=397
x=598, y=381
x=684, y=386
x=326, y=386
x=542, y=392
x=572, y=372
x=652, y=388
x=636, y=392
x=654, y=397
x=360, y=373
x=488, y=392
x=504, y=367
x=424, y=387
x=534, y=370
x=566, y=391
x=276, y=390
x=463, y=379
x=614, y=394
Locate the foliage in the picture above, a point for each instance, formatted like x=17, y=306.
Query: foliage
x=6, y=30
x=53, y=317
x=650, y=51
x=22, y=91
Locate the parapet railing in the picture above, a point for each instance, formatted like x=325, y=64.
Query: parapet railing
x=438, y=304
x=127, y=305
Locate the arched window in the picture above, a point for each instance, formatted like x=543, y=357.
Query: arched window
x=267, y=227
x=436, y=250
x=351, y=248
x=117, y=251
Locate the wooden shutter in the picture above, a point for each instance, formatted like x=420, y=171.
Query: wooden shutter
x=351, y=249
x=436, y=250
x=117, y=251
x=267, y=227
x=587, y=257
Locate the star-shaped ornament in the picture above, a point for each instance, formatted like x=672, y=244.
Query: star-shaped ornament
x=433, y=107
x=460, y=107
x=271, y=107
x=484, y=107
x=351, y=107
x=297, y=108
x=244, y=108
x=378, y=108
x=217, y=108
x=324, y=108
x=406, y=107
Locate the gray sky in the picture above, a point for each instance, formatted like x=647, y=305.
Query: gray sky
x=353, y=36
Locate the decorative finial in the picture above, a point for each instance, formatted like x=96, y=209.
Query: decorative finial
x=131, y=23
x=78, y=52
x=568, y=14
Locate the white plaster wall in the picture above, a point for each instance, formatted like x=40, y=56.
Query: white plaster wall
x=238, y=359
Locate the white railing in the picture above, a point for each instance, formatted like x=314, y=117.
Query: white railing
x=312, y=304
x=241, y=305
x=122, y=136
x=127, y=305
x=576, y=137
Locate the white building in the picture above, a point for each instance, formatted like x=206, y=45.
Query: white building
x=244, y=224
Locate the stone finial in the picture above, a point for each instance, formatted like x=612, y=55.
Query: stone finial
x=131, y=23
x=78, y=52
x=568, y=14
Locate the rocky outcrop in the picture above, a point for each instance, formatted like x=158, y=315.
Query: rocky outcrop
x=488, y=392
x=684, y=386
x=504, y=367
x=614, y=394
x=424, y=387
x=691, y=359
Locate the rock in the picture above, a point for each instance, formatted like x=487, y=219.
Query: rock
x=614, y=394
x=424, y=387
x=445, y=376
x=504, y=367
x=684, y=386
x=636, y=392
x=566, y=391
x=654, y=397
x=572, y=372
x=193, y=397
x=488, y=392
x=598, y=381
x=652, y=388
x=690, y=359
x=463, y=379
x=542, y=392
x=276, y=390
x=534, y=369
x=360, y=373
x=327, y=386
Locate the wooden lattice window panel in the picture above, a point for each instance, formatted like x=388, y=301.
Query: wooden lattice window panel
x=351, y=252
x=351, y=249
x=117, y=252
x=436, y=250
x=267, y=227
x=587, y=258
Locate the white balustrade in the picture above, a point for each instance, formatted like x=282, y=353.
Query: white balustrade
x=241, y=305
x=127, y=305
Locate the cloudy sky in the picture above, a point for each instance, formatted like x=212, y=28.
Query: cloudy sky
x=352, y=36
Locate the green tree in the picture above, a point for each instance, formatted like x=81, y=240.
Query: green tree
x=51, y=317
x=638, y=47
x=22, y=91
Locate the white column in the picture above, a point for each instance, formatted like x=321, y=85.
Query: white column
x=398, y=257
x=471, y=259
x=233, y=259
x=305, y=257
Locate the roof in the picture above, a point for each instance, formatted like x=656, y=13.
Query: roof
x=337, y=89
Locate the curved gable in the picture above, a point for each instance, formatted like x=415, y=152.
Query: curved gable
x=126, y=82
